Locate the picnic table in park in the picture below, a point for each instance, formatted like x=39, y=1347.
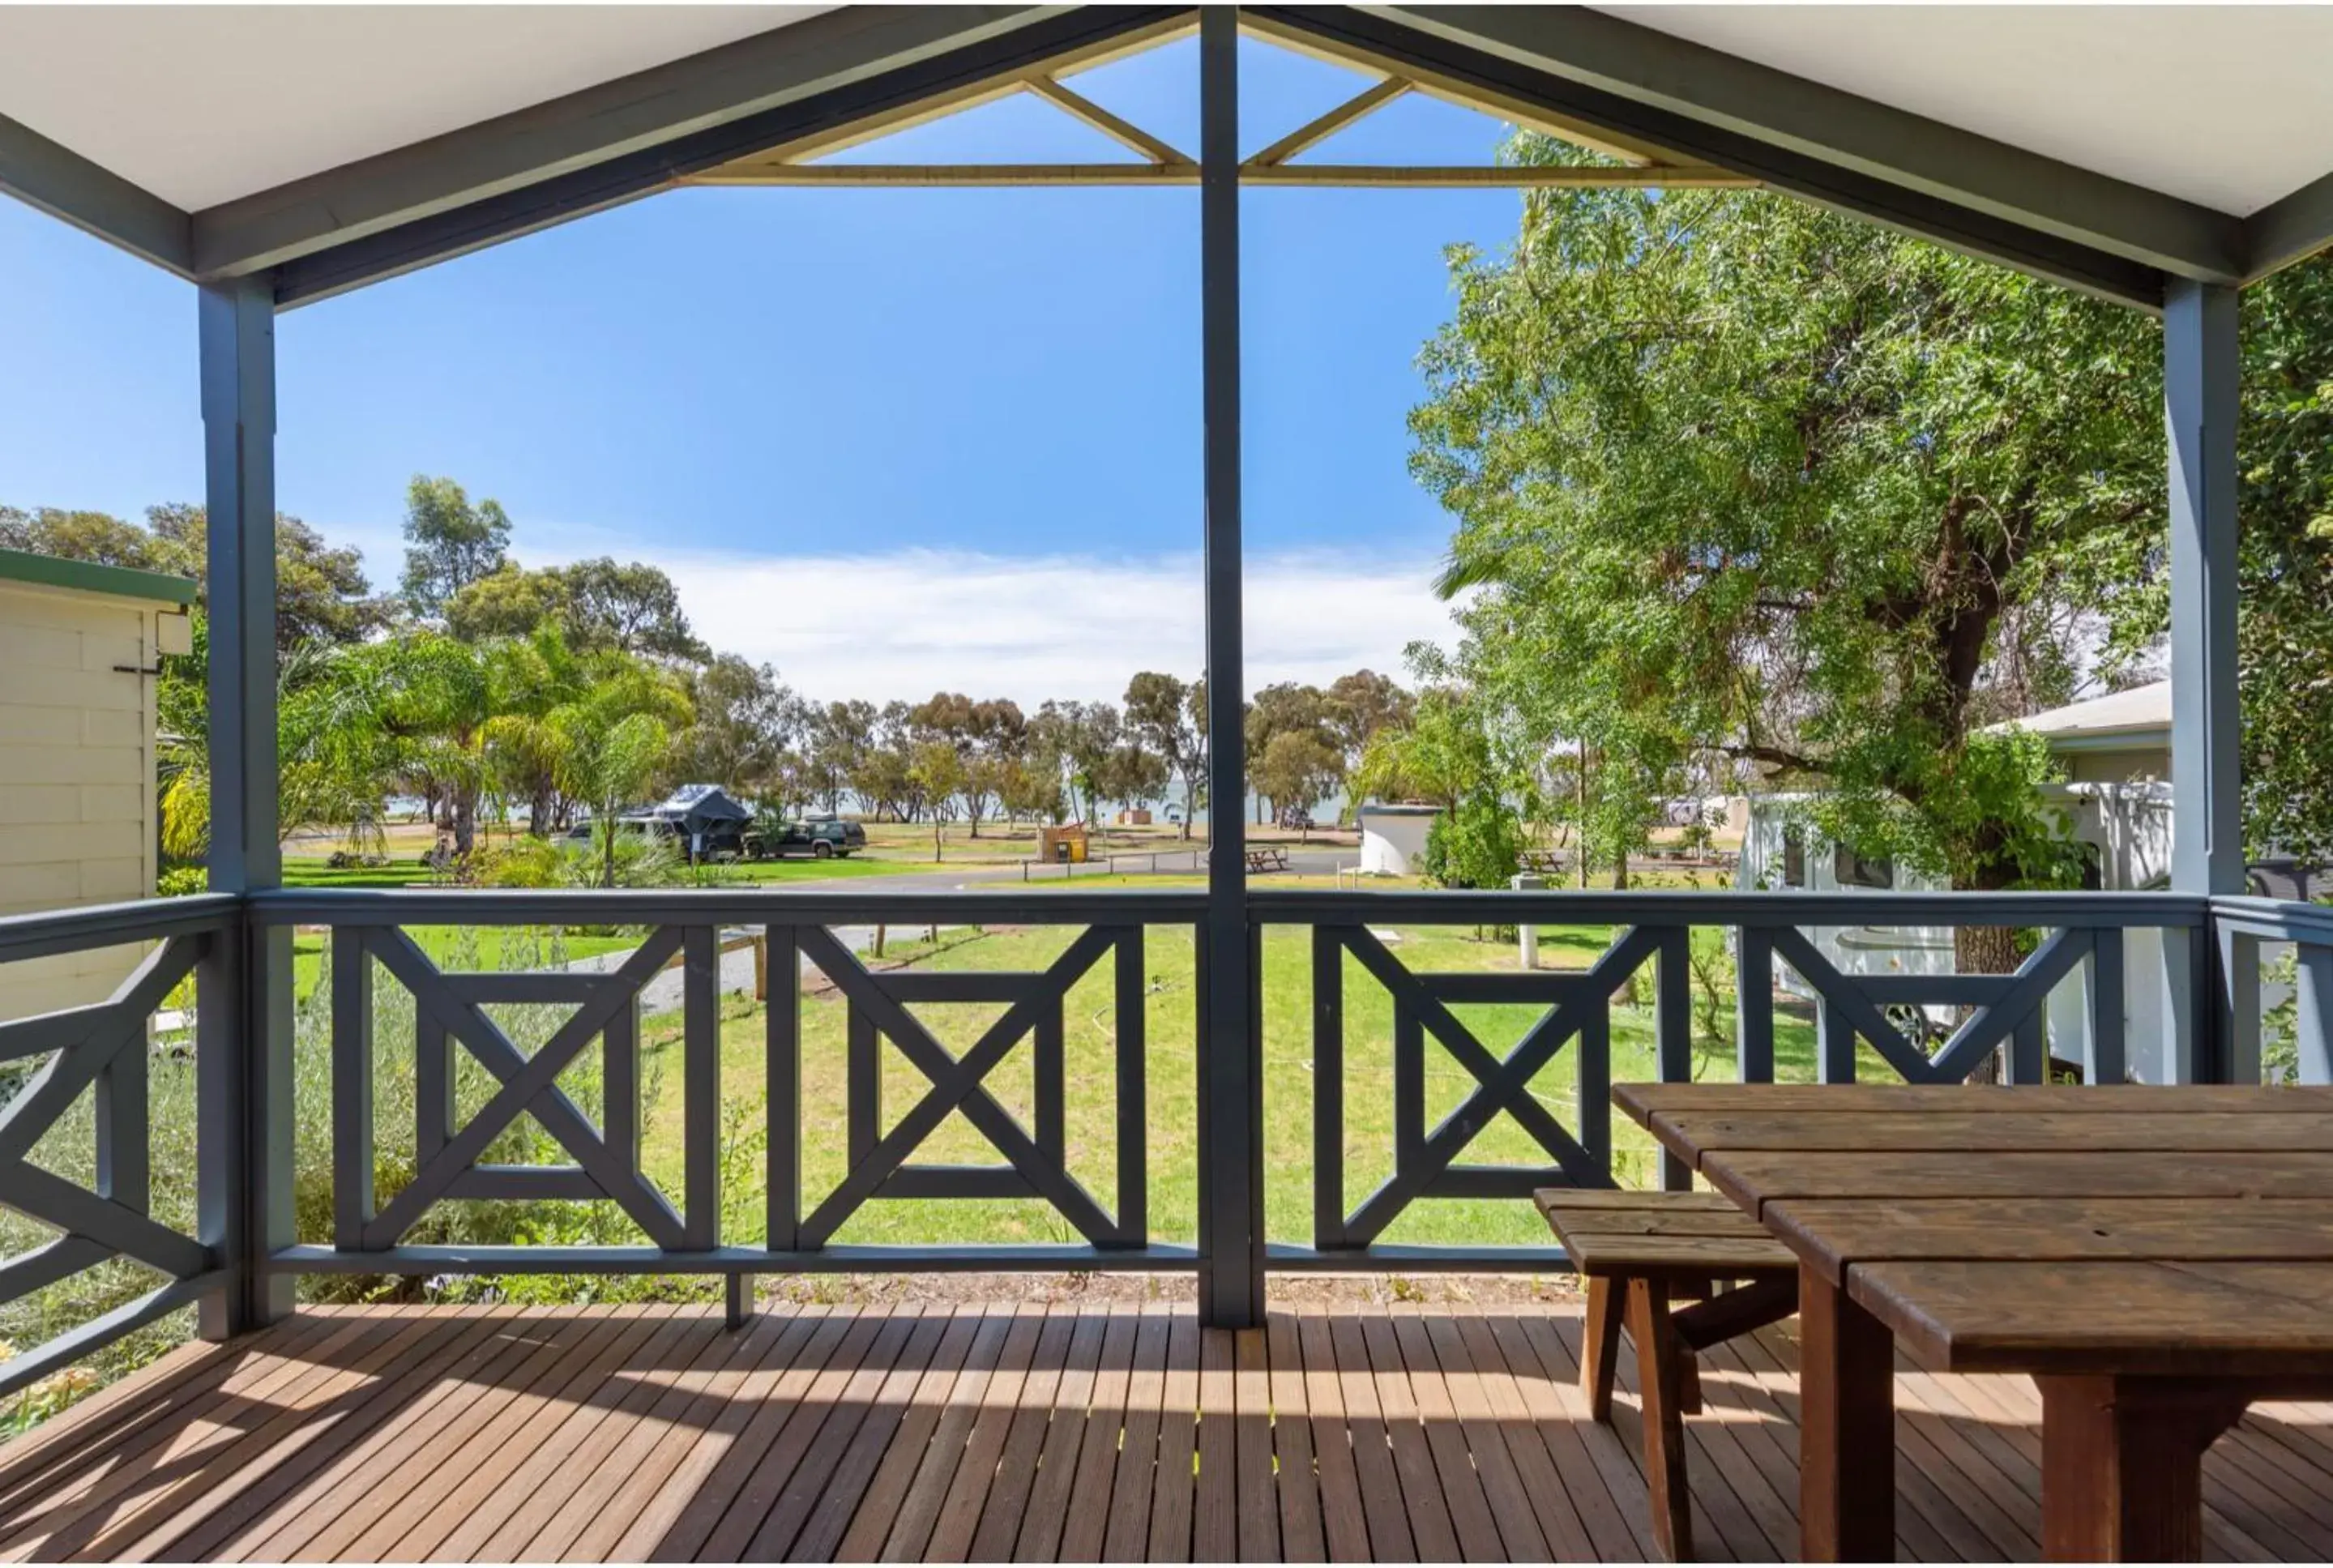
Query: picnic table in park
x=1268, y=858
x=2156, y=1259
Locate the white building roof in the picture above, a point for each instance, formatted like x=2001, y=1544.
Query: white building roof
x=2142, y=714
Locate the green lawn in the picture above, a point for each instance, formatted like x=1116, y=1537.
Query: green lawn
x=1289, y=1081
x=312, y=871
x=471, y=947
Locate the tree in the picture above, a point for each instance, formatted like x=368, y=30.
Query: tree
x=938, y=772
x=986, y=735
x=1284, y=708
x=1777, y=483
x=1297, y=769
x=1442, y=755
x=1027, y=791
x=633, y=609
x=841, y=734
x=608, y=759
x=325, y=777
x=450, y=543
x=747, y=722
x=2284, y=619
x=508, y=601
x=595, y=603
x=1161, y=713
x=1358, y=708
x=1084, y=738
x=98, y=537
x=321, y=591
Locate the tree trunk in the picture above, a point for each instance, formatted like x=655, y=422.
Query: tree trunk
x=465, y=822
x=1620, y=872
x=1985, y=949
x=538, y=821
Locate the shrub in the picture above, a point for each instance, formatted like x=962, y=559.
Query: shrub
x=1477, y=845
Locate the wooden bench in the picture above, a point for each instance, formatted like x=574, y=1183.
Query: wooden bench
x=1639, y=1253
x=1267, y=860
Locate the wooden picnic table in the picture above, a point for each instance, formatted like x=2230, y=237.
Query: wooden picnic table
x=2156, y=1259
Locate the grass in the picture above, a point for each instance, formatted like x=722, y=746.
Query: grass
x=466, y=946
x=312, y=872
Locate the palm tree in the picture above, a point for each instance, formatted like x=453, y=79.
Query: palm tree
x=605, y=745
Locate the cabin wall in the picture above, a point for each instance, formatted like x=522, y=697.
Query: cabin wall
x=77, y=810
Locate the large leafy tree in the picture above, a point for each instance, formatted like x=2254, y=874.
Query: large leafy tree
x=747, y=723
x=450, y=542
x=2285, y=619
x=1166, y=716
x=322, y=595
x=1735, y=473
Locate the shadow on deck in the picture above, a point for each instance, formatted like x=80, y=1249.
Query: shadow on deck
x=1035, y=1433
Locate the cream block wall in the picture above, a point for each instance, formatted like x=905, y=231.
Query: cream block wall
x=77, y=809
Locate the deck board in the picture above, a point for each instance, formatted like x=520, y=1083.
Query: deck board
x=1070, y=1432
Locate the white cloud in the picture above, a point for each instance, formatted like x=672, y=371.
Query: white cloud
x=905, y=623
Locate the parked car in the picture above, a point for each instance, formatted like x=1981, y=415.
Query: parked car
x=820, y=838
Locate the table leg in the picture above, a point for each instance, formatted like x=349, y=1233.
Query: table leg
x=1659, y=1359
x=2122, y=1465
x=1847, y=1427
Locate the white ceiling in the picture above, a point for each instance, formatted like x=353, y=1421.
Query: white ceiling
x=201, y=104
x=2231, y=106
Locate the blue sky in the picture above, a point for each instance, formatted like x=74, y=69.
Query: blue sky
x=980, y=406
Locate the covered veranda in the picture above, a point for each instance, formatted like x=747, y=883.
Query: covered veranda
x=2161, y=159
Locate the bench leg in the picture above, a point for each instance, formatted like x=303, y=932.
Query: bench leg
x=1660, y=1361
x=1600, y=1343
x=1688, y=1381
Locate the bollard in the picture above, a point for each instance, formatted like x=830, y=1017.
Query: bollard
x=1527, y=933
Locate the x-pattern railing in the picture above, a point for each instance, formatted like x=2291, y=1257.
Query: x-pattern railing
x=1999, y=1009
x=98, y=1055
x=1994, y=1010
x=452, y=1007
x=1035, y=1160
x=96, y=1060
x=453, y=1154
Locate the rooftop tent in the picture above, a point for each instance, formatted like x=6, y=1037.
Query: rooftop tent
x=699, y=808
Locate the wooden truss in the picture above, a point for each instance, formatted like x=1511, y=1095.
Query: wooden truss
x=1163, y=164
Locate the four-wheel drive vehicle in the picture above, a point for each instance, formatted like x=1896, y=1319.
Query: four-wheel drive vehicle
x=822, y=838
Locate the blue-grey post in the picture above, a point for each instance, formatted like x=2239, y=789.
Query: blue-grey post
x=245, y=1116
x=1231, y=1090
x=2200, y=380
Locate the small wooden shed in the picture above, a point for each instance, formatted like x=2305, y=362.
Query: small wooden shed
x=80, y=646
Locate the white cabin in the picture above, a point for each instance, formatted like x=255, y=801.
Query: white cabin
x=79, y=644
x=2117, y=752
x=1393, y=838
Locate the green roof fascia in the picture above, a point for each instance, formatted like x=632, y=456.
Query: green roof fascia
x=124, y=582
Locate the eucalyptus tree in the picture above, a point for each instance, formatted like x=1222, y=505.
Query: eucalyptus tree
x=1161, y=712
x=1735, y=473
x=450, y=542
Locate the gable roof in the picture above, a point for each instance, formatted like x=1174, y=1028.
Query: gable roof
x=2140, y=717
x=2112, y=146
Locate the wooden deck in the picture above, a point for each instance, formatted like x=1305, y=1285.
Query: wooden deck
x=1030, y=1433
